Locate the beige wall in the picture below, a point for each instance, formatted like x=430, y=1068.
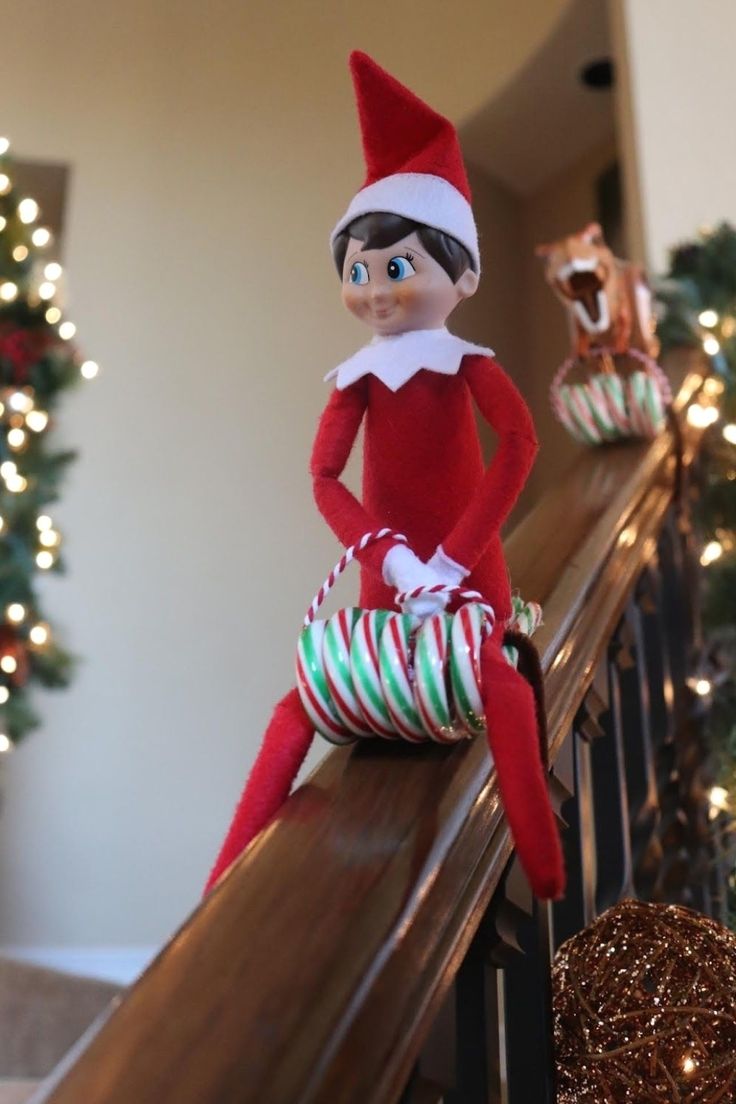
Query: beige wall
x=212, y=147
x=676, y=113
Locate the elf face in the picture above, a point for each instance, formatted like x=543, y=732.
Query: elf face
x=400, y=288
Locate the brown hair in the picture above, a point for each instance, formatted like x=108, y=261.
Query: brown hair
x=381, y=229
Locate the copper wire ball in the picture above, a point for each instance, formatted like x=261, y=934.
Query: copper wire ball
x=645, y=1009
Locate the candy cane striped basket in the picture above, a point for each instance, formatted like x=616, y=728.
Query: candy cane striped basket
x=365, y=673
x=609, y=406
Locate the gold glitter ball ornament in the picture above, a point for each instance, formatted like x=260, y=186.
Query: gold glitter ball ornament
x=645, y=1009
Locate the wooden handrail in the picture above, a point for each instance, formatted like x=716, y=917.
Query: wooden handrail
x=314, y=969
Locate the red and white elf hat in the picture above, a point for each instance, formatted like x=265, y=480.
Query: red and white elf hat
x=414, y=165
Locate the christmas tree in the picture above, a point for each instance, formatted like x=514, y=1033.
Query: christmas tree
x=38, y=362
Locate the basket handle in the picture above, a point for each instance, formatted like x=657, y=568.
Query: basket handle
x=371, y=538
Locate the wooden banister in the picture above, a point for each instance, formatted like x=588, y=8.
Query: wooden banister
x=317, y=968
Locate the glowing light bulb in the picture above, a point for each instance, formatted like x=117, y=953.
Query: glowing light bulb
x=47, y=290
x=52, y=271
x=708, y=318
x=5, y=184
x=8, y=469
x=41, y=237
x=712, y=551
x=28, y=210
x=713, y=386
x=3, y=223
x=8, y=291
x=16, y=484
x=39, y=635
x=4, y=694
x=9, y=664
x=16, y=438
x=89, y=369
x=729, y=432
x=702, y=687
x=53, y=314
x=4, y=146
x=688, y=1064
x=37, y=420
x=20, y=252
x=43, y=521
x=67, y=330
x=49, y=538
x=712, y=345
x=697, y=415
x=44, y=560
x=718, y=797
x=5, y=744
x=15, y=612
x=20, y=401
x=2, y=524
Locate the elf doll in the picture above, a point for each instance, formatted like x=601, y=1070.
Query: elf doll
x=406, y=250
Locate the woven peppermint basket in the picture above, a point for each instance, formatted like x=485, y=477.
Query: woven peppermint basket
x=610, y=405
x=365, y=673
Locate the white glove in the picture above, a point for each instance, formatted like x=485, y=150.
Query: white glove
x=403, y=571
x=451, y=573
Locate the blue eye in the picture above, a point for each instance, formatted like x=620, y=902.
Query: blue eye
x=400, y=268
x=358, y=273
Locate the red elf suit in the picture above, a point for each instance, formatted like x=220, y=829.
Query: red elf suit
x=423, y=476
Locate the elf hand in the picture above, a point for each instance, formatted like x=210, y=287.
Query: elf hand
x=403, y=571
x=450, y=572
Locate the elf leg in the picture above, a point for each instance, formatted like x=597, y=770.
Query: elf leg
x=284, y=747
x=512, y=735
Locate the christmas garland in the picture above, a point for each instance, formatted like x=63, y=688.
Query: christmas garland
x=697, y=309
x=38, y=363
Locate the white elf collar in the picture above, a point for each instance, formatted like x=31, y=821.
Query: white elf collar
x=395, y=359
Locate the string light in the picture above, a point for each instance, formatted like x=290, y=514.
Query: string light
x=712, y=345
x=4, y=694
x=3, y=223
x=729, y=432
x=53, y=314
x=28, y=210
x=718, y=798
x=15, y=612
x=67, y=330
x=5, y=184
x=712, y=551
x=44, y=560
x=49, y=538
x=8, y=469
x=688, y=1064
x=47, y=290
x=5, y=744
x=4, y=146
x=9, y=664
x=41, y=237
x=713, y=386
x=16, y=438
x=701, y=686
x=701, y=416
x=708, y=318
x=37, y=420
x=20, y=252
x=16, y=484
x=39, y=634
x=43, y=521
x=2, y=524
x=89, y=369
x=52, y=271
x=8, y=291
x=20, y=401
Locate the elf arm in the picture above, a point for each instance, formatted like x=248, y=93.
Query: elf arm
x=504, y=409
x=338, y=428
